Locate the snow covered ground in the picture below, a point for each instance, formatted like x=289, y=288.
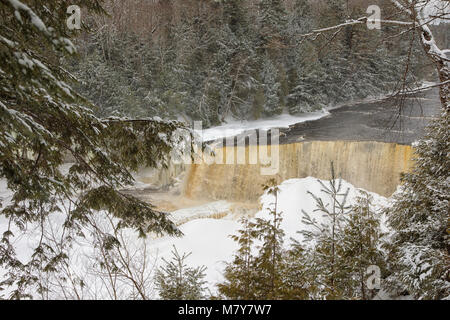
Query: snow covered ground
x=236, y=127
x=208, y=238
x=212, y=209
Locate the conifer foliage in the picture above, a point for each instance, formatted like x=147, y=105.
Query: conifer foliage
x=257, y=276
x=237, y=58
x=325, y=237
x=420, y=244
x=262, y=268
x=331, y=261
x=342, y=243
x=177, y=281
x=43, y=121
x=361, y=247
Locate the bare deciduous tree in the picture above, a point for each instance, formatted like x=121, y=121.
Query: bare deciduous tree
x=420, y=14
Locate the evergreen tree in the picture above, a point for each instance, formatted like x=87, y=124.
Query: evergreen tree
x=42, y=120
x=419, y=216
x=207, y=63
x=272, y=23
x=258, y=276
x=298, y=276
x=271, y=87
x=235, y=16
x=340, y=246
x=176, y=281
x=240, y=274
x=361, y=243
x=325, y=238
x=301, y=20
x=269, y=262
x=308, y=92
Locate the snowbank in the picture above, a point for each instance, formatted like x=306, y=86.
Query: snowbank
x=208, y=239
x=236, y=127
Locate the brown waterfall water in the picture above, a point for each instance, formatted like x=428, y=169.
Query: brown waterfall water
x=374, y=166
x=368, y=149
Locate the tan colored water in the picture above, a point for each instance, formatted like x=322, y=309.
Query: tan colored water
x=374, y=166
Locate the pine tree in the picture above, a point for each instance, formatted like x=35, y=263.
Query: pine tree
x=241, y=272
x=42, y=120
x=176, y=281
x=325, y=238
x=419, y=245
x=271, y=87
x=259, y=276
x=361, y=242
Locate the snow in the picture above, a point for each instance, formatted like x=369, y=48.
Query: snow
x=236, y=127
x=209, y=242
x=207, y=238
x=35, y=20
x=436, y=8
x=204, y=211
x=294, y=197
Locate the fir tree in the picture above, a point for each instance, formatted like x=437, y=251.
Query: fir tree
x=361, y=242
x=235, y=16
x=298, y=276
x=42, y=120
x=208, y=65
x=259, y=276
x=269, y=262
x=271, y=87
x=325, y=238
x=240, y=274
x=176, y=281
x=419, y=216
x=272, y=23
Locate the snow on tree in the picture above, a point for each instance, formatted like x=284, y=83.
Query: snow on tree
x=240, y=273
x=272, y=22
x=271, y=87
x=259, y=270
x=324, y=239
x=42, y=121
x=361, y=247
x=419, y=216
x=420, y=14
x=177, y=281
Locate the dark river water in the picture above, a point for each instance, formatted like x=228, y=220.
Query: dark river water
x=382, y=121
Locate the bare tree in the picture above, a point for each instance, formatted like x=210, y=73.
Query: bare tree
x=418, y=16
x=122, y=264
x=105, y=263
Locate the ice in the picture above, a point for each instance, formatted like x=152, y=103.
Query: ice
x=235, y=127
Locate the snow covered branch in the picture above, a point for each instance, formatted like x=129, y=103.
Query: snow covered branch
x=362, y=20
x=421, y=14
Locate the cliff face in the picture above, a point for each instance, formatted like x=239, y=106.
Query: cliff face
x=374, y=166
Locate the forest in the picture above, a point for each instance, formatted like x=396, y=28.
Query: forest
x=217, y=60
x=93, y=207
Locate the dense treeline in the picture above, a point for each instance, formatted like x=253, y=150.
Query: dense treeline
x=211, y=60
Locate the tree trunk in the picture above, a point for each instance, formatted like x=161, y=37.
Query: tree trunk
x=441, y=62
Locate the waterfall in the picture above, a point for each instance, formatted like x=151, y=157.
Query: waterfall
x=374, y=166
